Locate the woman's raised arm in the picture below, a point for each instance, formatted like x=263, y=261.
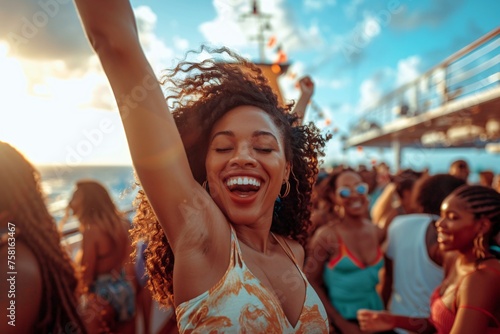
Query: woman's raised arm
x=154, y=141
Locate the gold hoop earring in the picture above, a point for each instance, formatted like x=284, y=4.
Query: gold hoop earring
x=205, y=185
x=339, y=210
x=287, y=190
x=478, y=249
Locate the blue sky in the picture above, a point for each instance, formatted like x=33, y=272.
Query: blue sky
x=58, y=107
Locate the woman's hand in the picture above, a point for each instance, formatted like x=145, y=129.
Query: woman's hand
x=306, y=86
x=375, y=320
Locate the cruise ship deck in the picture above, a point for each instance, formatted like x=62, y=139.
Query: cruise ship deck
x=454, y=104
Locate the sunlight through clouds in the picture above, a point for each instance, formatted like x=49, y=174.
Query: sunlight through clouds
x=54, y=92
x=53, y=109
x=49, y=124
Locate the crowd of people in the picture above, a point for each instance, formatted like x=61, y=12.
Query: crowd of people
x=237, y=228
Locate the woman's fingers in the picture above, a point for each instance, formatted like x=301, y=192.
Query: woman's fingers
x=366, y=319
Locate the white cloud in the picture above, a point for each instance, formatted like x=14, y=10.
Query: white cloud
x=181, y=43
x=225, y=29
x=387, y=80
x=370, y=27
x=33, y=29
x=235, y=27
x=159, y=55
x=60, y=98
x=370, y=94
x=408, y=70
x=46, y=125
x=146, y=19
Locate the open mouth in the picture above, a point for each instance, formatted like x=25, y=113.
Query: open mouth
x=243, y=185
x=444, y=238
x=356, y=205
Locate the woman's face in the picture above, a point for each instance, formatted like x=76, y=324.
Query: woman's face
x=76, y=202
x=246, y=165
x=457, y=227
x=350, y=193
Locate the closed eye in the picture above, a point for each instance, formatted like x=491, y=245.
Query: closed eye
x=223, y=149
x=264, y=150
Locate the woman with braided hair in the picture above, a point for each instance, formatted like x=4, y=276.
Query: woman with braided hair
x=38, y=282
x=227, y=181
x=468, y=299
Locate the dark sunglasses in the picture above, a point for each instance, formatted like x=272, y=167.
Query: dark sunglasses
x=360, y=189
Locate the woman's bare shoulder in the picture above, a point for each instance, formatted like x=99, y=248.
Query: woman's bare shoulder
x=26, y=261
x=481, y=284
x=24, y=282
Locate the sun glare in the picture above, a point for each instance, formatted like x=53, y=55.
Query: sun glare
x=48, y=117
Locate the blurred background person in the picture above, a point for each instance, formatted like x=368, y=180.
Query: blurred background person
x=413, y=262
x=323, y=208
x=46, y=284
x=460, y=169
x=496, y=183
x=383, y=178
x=343, y=257
x=104, y=259
x=468, y=298
x=486, y=178
x=395, y=199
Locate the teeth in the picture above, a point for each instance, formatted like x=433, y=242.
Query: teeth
x=443, y=237
x=245, y=180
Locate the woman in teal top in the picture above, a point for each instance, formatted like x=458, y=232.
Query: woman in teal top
x=344, y=255
x=351, y=284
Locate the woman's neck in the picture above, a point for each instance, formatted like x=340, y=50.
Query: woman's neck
x=353, y=221
x=257, y=240
x=469, y=259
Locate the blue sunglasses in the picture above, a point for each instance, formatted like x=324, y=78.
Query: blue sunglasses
x=360, y=189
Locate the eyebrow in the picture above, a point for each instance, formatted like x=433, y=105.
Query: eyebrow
x=257, y=133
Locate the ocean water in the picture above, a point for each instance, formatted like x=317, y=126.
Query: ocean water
x=58, y=183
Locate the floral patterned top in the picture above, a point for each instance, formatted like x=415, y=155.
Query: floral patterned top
x=240, y=303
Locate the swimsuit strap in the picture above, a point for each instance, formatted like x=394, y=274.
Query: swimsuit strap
x=475, y=308
x=480, y=267
x=342, y=248
x=287, y=249
x=235, y=257
x=483, y=267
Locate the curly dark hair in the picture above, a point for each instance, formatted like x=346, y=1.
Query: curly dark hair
x=200, y=94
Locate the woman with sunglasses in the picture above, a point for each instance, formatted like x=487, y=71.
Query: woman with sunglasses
x=344, y=255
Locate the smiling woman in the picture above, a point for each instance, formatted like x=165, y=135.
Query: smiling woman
x=468, y=299
x=237, y=242
x=344, y=255
x=246, y=154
